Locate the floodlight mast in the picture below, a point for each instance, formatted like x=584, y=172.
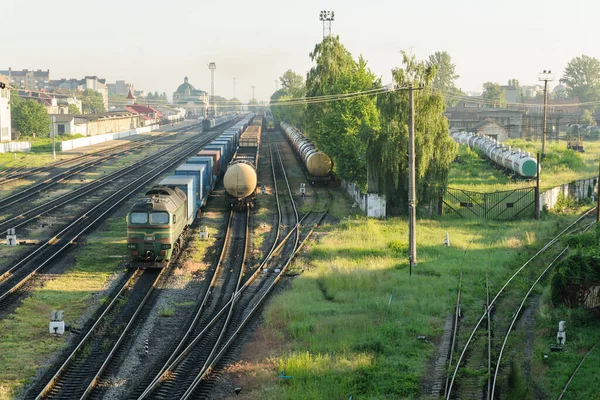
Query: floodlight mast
x=212, y=66
x=327, y=17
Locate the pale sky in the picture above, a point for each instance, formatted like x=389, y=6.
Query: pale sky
x=154, y=44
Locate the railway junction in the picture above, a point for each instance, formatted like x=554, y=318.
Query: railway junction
x=184, y=330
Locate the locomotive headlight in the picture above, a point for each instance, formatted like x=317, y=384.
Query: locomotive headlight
x=131, y=246
x=165, y=246
x=149, y=238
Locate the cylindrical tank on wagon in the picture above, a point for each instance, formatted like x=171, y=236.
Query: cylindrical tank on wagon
x=240, y=180
x=318, y=164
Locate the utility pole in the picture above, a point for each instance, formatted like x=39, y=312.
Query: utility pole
x=598, y=195
x=276, y=85
x=253, y=97
x=412, y=190
x=327, y=17
x=53, y=138
x=545, y=76
x=234, y=87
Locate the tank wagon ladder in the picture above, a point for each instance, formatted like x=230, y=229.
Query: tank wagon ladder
x=569, y=229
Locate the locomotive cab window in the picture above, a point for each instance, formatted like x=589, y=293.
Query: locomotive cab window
x=159, y=218
x=138, y=218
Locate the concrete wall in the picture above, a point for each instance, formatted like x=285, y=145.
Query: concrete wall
x=88, y=141
x=577, y=189
x=5, y=125
x=104, y=126
x=373, y=205
x=10, y=147
x=495, y=132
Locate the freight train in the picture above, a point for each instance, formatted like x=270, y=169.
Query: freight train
x=241, y=178
x=316, y=164
x=155, y=222
x=518, y=162
x=209, y=123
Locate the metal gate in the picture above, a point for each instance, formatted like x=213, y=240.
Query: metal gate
x=506, y=204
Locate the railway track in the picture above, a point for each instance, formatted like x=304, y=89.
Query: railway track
x=78, y=373
x=482, y=346
x=83, y=191
x=227, y=321
x=17, y=279
x=94, y=161
x=22, y=172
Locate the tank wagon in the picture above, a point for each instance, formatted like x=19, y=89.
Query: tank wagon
x=155, y=222
x=241, y=176
x=515, y=160
x=316, y=164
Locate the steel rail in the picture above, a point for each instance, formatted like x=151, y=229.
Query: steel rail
x=156, y=171
x=179, y=354
x=87, y=337
x=576, y=370
x=87, y=188
x=478, y=324
x=518, y=311
x=83, y=157
x=208, y=367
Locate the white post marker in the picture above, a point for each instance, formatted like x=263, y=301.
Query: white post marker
x=11, y=237
x=561, y=335
x=57, y=323
x=447, y=240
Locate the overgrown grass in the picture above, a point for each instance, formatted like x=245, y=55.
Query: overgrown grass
x=24, y=340
x=344, y=340
x=475, y=172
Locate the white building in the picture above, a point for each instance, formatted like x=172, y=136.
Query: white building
x=5, y=131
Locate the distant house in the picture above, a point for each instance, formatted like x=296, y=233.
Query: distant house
x=99, y=124
x=148, y=115
x=491, y=129
x=5, y=127
x=26, y=79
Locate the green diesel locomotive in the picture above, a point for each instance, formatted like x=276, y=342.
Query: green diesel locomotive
x=154, y=227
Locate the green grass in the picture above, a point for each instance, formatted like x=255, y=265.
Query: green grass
x=334, y=316
x=24, y=340
x=475, y=172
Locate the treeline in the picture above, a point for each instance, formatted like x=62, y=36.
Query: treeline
x=344, y=109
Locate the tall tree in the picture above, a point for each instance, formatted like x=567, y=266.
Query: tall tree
x=73, y=109
x=292, y=87
x=388, y=144
x=334, y=124
x=29, y=117
x=445, y=76
x=92, y=102
x=582, y=77
x=493, y=92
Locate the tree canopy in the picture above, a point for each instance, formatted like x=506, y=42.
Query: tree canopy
x=388, y=145
x=92, y=102
x=493, y=92
x=292, y=87
x=445, y=76
x=29, y=117
x=334, y=125
x=582, y=78
x=73, y=109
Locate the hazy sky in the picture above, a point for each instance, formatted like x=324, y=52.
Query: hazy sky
x=154, y=44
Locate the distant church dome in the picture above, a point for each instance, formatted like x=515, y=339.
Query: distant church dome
x=185, y=86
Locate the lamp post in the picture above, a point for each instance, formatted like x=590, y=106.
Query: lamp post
x=545, y=76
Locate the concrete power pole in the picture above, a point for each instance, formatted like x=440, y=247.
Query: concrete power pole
x=253, y=97
x=412, y=197
x=545, y=76
x=234, y=87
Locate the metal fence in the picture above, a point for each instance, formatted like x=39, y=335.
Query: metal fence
x=496, y=205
